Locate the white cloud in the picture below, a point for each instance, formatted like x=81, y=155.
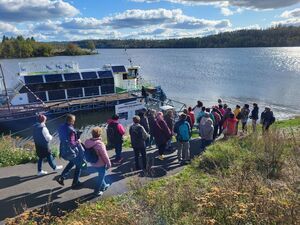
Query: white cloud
x=35, y=10
x=8, y=29
x=226, y=12
x=81, y=23
x=292, y=18
x=254, y=4
x=291, y=13
x=175, y=18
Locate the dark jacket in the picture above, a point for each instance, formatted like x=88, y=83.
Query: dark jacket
x=138, y=136
x=41, y=144
x=267, y=117
x=162, y=133
x=170, y=122
x=144, y=122
x=254, y=113
x=115, y=132
x=152, y=124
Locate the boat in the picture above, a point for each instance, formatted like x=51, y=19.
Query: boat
x=59, y=88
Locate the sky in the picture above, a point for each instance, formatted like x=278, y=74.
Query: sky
x=66, y=20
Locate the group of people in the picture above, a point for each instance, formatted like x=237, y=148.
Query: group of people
x=149, y=127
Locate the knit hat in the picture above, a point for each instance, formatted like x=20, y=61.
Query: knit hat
x=41, y=118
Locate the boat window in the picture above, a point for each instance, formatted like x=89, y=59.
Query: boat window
x=75, y=93
x=118, y=69
x=40, y=95
x=91, y=91
x=72, y=76
x=56, y=95
x=89, y=75
x=53, y=78
x=34, y=79
x=105, y=74
x=107, y=89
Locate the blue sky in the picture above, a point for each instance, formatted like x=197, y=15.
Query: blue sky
x=49, y=20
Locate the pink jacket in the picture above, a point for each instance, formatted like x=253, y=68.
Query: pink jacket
x=100, y=149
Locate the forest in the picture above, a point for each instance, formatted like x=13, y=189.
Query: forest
x=279, y=36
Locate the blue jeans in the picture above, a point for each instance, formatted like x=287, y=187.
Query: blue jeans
x=118, y=149
x=100, y=183
x=77, y=162
x=50, y=160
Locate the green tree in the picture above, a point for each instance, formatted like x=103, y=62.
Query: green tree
x=91, y=45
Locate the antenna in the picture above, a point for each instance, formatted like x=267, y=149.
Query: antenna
x=129, y=58
x=4, y=84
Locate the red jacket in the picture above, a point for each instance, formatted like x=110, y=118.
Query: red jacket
x=230, y=126
x=192, y=115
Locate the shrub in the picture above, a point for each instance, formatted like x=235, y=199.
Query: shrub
x=10, y=155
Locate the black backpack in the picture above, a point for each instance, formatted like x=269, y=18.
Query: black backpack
x=91, y=155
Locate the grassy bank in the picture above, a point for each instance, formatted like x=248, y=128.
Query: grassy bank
x=250, y=180
x=11, y=155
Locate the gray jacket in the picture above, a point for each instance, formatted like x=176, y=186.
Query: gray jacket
x=138, y=136
x=206, y=130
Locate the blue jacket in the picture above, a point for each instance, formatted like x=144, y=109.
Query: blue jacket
x=186, y=135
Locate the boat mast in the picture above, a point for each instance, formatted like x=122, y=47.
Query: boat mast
x=5, y=88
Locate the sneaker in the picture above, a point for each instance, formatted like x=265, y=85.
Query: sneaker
x=60, y=180
x=60, y=167
x=161, y=157
x=42, y=172
x=77, y=185
x=98, y=193
x=106, y=187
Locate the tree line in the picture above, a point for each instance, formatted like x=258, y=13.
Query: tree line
x=20, y=47
x=279, y=36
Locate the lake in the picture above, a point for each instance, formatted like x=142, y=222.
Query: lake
x=268, y=76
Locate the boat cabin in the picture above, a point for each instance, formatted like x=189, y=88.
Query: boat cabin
x=68, y=82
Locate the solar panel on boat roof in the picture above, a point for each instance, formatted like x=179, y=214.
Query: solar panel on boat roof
x=118, y=69
x=72, y=76
x=34, y=79
x=89, y=75
x=105, y=74
x=91, y=91
x=53, y=78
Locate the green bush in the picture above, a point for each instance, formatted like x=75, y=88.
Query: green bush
x=10, y=155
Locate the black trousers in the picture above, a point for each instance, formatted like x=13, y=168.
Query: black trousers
x=137, y=153
x=161, y=149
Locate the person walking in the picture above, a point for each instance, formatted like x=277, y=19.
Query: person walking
x=103, y=163
x=41, y=138
x=182, y=130
x=70, y=150
x=230, y=126
x=145, y=123
x=200, y=115
x=138, y=135
x=237, y=115
x=206, y=131
x=169, y=118
x=162, y=134
x=151, y=119
x=115, y=132
x=267, y=119
x=244, y=117
x=254, y=116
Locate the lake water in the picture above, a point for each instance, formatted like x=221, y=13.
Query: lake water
x=268, y=76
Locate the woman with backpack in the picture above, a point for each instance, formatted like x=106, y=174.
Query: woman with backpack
x=162, y=134
x=182, y=130
x=102, y=164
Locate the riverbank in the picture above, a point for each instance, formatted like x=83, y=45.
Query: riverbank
x=251, y=179
x=19, y=47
